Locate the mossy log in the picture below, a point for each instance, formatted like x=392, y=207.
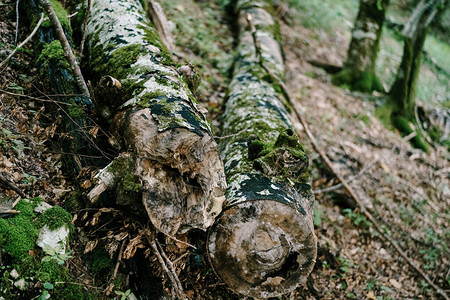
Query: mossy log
x=263, y=244
x=70, y=107
x=170, y=161
x=359, y=69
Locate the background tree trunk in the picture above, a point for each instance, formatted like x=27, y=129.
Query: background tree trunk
x=171, y=161
x=359, y=68
x=263, y=245
x=402, y=93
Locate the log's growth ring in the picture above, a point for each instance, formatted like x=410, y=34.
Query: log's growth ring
x=262, y=248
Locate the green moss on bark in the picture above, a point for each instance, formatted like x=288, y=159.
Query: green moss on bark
x=120, y=61
x=53, y=54
x=358, y=81
x=407, y=127
x=123, y=168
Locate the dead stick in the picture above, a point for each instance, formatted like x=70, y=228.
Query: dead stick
x=338, y=176
x=339, y=185
x=178, y=241
x=3, y=63
x=7, y=183
x=67, y=49
x=38, y=99
x=17, y=22
x=178, y=289
x=15, y=202
x=119, y=259
x=169, y=264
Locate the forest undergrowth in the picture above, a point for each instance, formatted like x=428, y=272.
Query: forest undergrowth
x=405, y=189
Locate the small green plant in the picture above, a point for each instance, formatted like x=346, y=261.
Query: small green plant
x=346, y=264
x=29, y=179
x=15, y=87
x=357, y=218
x=55, y=254
x=126, y=295
x=370, y=285
x=45, y=292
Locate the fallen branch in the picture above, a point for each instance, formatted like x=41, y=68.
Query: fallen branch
x=178, y=292
x=35, y=98
x=3, y=63
x=339, y=185
x=159, y=19
x=17, y=22
x=178, y=241
x=119, y=259
x=67, y=49
x=7, y=183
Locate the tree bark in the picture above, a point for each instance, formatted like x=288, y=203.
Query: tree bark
x=359, y=68
x=170, y=159
x=263, y=245
x=78, y=146
x=402, y=93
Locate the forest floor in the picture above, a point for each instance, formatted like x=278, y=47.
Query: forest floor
x=406, y=189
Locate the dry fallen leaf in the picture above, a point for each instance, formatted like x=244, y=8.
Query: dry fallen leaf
x=370, y=295
x=395, y=283
x=90, y=246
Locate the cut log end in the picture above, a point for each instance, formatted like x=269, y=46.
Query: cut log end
x=262, y=248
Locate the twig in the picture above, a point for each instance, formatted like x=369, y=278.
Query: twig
x=177, y=288
x=339, y=185
x=3, y=63
x=169, y=264
x=16, y=201
x=10, y=211
x=86, y=18
x=340, y=178
x=180, y=258
x=7, y=4
x=7, y=183
x=178, y=241
x=34, y=98
x=66, y=47
x=119, y=259
x=17, y=22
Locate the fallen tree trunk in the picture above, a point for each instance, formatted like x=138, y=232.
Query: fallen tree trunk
x=263, y=245
x=170, y=158
x=70, y=107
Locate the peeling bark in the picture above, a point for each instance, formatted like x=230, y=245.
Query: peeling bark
x=170, y=158
x=359, y=68
x=263, y=245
